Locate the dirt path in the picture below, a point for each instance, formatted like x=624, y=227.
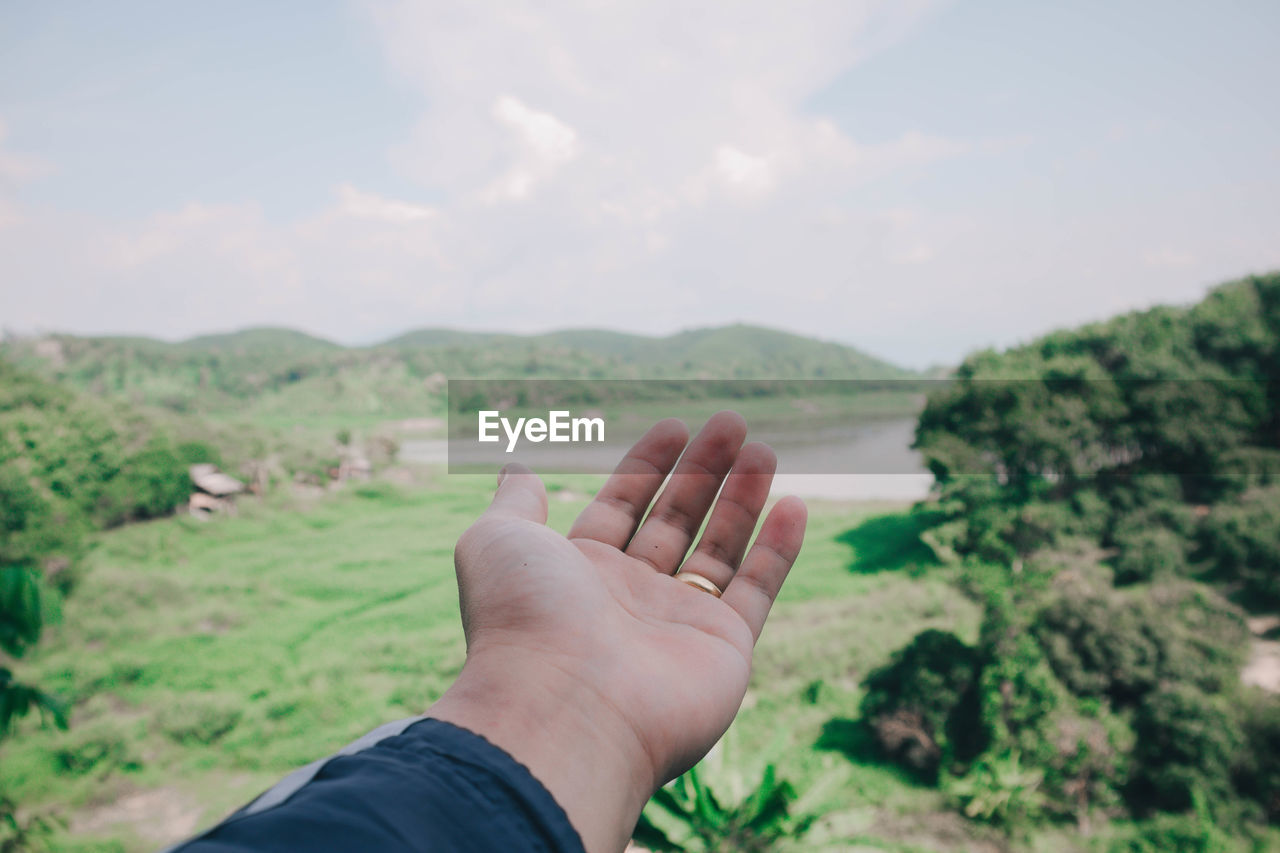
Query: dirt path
x=1263, y=668
x=161, y=816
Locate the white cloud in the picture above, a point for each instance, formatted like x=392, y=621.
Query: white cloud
x=548, y=139
x=544, y=145
x=649, y=100
x=655, y=155
x=742, y=172
x=648, y=165
x=363, y=205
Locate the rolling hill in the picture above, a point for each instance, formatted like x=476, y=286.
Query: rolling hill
x=286, y=377
x=261, y=339
x=722, y=352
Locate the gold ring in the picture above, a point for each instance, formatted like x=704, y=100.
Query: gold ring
x=699, y=582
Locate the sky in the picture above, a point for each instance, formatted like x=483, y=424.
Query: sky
x=916, y=178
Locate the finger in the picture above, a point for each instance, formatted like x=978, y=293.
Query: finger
x=615, y=513
x=520, y=494
x=664, y=537
x=755, y=586
x=733, y=518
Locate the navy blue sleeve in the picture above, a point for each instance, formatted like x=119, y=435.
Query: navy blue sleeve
x=412, y=787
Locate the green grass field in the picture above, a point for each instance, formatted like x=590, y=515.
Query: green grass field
x=205, y=660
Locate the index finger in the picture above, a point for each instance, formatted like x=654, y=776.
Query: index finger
x=614, y=515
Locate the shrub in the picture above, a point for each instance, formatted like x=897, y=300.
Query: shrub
x=1202, y=637
x=1186, y=744
x=1240, y=470
x=37, y=532
x=1018, y=698
x=1039, y=525
x=1092, y=512
x=1097, y=645
x=1120, y=644
x=1258, y=774
x=1149, y=553
x=1242, y=543
x=1138, y=493
x=1089, y=766
x=923, y=706
x=150, y=484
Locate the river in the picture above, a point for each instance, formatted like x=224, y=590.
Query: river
x=867, y=460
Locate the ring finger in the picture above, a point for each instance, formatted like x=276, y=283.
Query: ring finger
x=734, y=517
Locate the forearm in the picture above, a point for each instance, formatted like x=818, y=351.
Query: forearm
x=586, y=756
x=408, y=787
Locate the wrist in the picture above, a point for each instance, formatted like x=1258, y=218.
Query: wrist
x=582, y=750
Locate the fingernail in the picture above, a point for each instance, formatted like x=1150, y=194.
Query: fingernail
x=502, y=475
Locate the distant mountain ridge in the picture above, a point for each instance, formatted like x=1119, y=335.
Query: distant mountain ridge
x=691, y=350
x=718, y=351
x=286, y=375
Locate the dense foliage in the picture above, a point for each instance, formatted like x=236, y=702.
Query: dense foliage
x=91, y=463
x=1113, y=496
x=69, y=464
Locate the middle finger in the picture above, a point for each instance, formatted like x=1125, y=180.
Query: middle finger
x=665, y=535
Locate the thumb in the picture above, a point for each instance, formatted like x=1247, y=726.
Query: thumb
x=520, y=494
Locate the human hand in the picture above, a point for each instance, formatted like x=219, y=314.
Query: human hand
x=586, y=659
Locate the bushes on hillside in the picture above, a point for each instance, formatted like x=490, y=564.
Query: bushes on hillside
x=1241, y=541
x=98, y=463
x=68, y=464
x=1186, y=744
x=1104, y=476
x=1121, y=644
x=151, y=482
x=1159, y=414
x=1257, y=774
x=922, y=705
x=1109, y=698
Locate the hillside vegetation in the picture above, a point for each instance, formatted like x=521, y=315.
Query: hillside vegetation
x=71, y=464
x=283, y=377
x=1112, y=498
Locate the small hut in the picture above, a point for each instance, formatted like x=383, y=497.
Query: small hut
x=214, y=490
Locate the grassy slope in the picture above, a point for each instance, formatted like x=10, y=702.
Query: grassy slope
x=303, y=629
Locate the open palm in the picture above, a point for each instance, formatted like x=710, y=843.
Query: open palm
x=602, y=607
